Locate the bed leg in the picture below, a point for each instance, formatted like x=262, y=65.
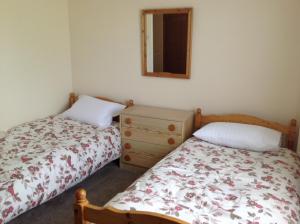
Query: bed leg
x=80, y=202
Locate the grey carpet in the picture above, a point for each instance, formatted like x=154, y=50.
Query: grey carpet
x=100, y=187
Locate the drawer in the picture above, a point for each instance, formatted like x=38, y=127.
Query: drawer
x=142, y=160
x=143, y=154
x=151, y=137
x=147, y=148
x=152, y=124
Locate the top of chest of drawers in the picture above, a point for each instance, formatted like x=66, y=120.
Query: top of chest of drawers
x=158, y=113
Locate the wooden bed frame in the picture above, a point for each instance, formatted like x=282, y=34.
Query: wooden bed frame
x=85, y=213
x=290, y=132
x=73, y=98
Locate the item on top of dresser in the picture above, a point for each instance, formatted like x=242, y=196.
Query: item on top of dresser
x=149, y=133
x=241, y=136
x=94, y=111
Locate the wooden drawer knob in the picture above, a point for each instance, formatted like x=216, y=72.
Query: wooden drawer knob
x=171, y=141
x=127, y=133
x=128, y=121
x=127, y=158
x=127, y=146
x=171, y=127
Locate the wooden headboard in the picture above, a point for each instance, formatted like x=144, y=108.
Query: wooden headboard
x=290, y=132
x=73, y=98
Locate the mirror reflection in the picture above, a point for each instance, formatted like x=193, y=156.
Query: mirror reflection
x=167, y=42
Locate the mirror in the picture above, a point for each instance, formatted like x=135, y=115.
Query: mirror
x=166, y=42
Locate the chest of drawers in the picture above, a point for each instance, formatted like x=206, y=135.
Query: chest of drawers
x=149, y=133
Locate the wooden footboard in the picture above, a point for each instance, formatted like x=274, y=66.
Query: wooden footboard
x=85, y=213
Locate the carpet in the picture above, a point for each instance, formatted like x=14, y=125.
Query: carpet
x=100, y=187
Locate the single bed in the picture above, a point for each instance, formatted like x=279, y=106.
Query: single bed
x=41, y=159
x=204, y=183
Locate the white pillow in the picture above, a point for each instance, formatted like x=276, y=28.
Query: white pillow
x=94, y=111
x=240, y=136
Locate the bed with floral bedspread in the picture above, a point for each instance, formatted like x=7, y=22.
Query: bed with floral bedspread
x=43, y=158
x=202, y=183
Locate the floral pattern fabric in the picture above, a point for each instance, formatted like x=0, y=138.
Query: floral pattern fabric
x=43, y=158
x=202, y=183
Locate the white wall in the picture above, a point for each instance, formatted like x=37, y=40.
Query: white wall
x=35, y=70
x=246, y=56
x=2, y=134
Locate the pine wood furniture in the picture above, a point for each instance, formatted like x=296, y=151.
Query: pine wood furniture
x=186, y=49
x=150, y=133
x=73, y=98
x=85, y=212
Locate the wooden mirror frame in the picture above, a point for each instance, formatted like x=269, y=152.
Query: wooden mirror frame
x=187, y=11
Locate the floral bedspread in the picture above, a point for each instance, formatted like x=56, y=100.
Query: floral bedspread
x=43, y=158
x=201, y=183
